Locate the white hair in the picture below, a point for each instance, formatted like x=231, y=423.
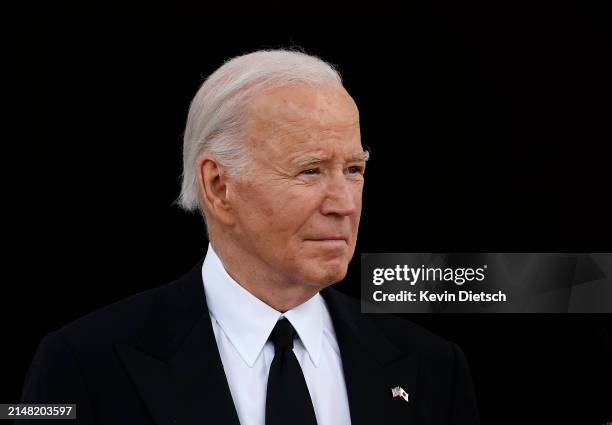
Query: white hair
x=217, y=118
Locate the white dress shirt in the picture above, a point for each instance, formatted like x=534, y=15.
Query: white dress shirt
x=242, y=324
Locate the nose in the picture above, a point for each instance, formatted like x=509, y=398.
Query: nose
x=341, y=196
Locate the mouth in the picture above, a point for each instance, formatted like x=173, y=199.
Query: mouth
x=329, y=239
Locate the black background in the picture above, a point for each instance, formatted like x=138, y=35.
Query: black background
x=487, y=129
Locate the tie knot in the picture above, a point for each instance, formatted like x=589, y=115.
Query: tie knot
x=282, y=335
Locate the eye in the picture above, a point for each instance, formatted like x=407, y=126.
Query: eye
x=355, y=169
x=310, y=172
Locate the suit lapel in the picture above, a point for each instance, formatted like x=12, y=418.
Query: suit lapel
x=176, y=365
x=372, y=366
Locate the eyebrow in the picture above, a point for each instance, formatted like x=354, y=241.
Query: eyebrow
x=361, y=157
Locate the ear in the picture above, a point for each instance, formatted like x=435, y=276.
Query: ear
x=212, y=181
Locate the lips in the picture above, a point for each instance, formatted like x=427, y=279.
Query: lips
x=329, y=238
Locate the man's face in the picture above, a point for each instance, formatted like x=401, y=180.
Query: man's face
x=297, y=211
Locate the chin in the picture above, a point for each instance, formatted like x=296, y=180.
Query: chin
x=329, y=273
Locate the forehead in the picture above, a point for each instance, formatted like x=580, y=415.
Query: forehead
x=299, y=117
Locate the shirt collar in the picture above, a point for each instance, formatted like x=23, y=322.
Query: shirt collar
x=247, y=321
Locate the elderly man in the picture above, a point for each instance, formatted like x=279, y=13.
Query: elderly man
x=253, y=334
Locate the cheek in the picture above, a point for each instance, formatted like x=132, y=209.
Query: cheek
x=295, y=211
x=277, y=213
x=357, y=196
x=252, y=210
x=357, y=215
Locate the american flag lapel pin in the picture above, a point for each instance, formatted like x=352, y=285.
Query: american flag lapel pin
x=399, y=392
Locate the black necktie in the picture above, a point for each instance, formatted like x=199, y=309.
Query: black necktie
x=288, y=400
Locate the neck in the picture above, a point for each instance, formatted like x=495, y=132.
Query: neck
x=256, y=277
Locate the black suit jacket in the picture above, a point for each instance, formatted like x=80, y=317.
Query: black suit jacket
x=153, y=359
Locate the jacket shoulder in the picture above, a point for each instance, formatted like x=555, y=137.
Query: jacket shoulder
x=121, y=321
